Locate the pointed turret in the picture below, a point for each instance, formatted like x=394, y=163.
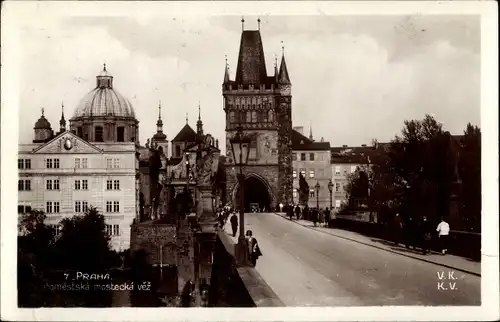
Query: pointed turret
x=199, y=124
x=226, y=73
x=310, y=132
x=62, y=122
x=159, y=136
x=283, y=77
x=276, y=73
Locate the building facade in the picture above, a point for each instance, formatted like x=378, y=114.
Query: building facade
x=261, y=106
x=93, y=164
x=312, y=160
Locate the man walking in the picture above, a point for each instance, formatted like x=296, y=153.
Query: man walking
x=253, y=248
x=234, y=223
x=443, y=230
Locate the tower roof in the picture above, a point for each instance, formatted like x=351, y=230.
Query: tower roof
x=186, y=134
x=283, y=77
x=251, y=67
x=42, y=122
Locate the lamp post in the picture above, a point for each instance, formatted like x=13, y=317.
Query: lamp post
x=317, y=186
x=330, y=188
x=240, y=147
x=187, y=182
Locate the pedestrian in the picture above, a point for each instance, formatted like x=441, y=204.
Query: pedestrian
x=409, y=233
x=443, y=230
x=315, y=216
x=234, y=223
x=327, y=217
x=253, y=248
x=305, y=213
x=297, y=212
x=426, y=233
x=397, y=229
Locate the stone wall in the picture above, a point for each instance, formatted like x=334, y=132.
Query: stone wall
x=149, y=236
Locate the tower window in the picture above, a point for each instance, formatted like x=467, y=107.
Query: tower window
x=249, y=117
x=120, y=134
x=254, y=117
x=231, y=117
x=99, y=134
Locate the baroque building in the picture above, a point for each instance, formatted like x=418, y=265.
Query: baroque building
x=261, y=105
x=93, y=164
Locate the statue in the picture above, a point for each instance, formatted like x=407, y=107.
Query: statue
x=206, y=170
x=303, y=190
x=147, y=143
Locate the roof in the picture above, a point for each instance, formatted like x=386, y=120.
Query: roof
x=283, y=77
x=186, y=134
x=356, y=154
x=42, y=123
x=300, y=142
x=251, y=67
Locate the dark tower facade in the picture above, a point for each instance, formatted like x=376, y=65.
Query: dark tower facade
x=261, y=105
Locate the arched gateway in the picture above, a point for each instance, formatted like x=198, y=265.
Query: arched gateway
x=258, y=193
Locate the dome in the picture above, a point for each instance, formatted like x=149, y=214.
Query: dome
x=42, y=123
x=104, y=100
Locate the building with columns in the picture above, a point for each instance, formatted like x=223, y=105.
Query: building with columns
x=93, y=163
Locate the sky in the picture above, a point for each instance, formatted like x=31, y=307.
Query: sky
x=354, y=78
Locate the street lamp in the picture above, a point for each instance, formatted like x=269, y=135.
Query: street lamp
x=240, y=145
x=317, y=186
x=330, y=188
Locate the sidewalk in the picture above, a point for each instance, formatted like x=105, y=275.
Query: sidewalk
x=449, y=261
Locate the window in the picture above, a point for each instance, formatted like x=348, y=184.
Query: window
x=109, y=206
x=116, y=206
x=294, y=156
x=20, y=163
x=120, y=134
x=48, y=163
x=116, y=230
x=337, y=203
x=311, y=174
x=85, y=184
x=52, y=163
x=116, y=163
x=56, y=163
x=85, y=163
x=52, y=184
x=24, y=185
x=56, y=207
x=77, y=163
x=109, y=230
x=48, y=184
x=231, y=117
x=295, y=173
x=311, y=156
x=254, y=116
x=27, y=163
x=302, y=157
x=337, y=187
x=48, y=207
x=24, y=163
x=109, y=184
x=98, y=134
x=116, y=185
x=78, y=185
x=85, y=206
x=78, y=206
x=109, y=163
x=56, y=184
x=271, y=116
x=303, y=172
x=337, y=170
x=311, y=194
x=23, y=209
x=295, y=193
x=57, y=229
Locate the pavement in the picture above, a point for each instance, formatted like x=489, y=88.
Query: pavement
x=449, y=261
x=314, y=267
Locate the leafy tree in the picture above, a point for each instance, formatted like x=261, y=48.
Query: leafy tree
x=303, y=190
x=470, y=174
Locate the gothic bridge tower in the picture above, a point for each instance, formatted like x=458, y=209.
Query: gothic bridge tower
x=262, y=105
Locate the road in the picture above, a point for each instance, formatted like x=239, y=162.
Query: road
x=306, y=267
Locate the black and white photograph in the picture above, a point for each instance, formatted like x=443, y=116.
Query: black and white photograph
x=298, y=157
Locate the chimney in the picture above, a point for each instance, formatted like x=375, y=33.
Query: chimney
x=363, y=145
x=344, y=146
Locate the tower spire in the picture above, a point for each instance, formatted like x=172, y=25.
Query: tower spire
x=310, y=132
x=199, y=124
x=283, y=78
x=187, y=118
x=159, y=136
x=242, y=24
x=62, y=122
x=43, y=110
x=226, y=72
x=159, y=110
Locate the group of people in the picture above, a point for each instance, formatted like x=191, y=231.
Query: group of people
x=317, y=216
x=415, y=233
x=228, y=212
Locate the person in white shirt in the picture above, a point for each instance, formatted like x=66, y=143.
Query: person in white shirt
x=443, y=230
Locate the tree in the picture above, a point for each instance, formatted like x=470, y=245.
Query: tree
x=470, y=173
x=303, y=190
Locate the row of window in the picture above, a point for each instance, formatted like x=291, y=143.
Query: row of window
x=54, y=207
x=99, y=134
x=303, y=157
x=113, y=230
x=54, y=184
x=337, y=170
x=80, y=163
x=112, y=206
x=251, y=116
x=312, y=173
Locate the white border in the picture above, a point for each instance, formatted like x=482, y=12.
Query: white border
x=13, y=11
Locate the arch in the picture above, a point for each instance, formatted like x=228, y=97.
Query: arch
x=257, y=191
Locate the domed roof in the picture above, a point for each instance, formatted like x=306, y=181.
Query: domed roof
x=104, y=100
x=42, y=123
